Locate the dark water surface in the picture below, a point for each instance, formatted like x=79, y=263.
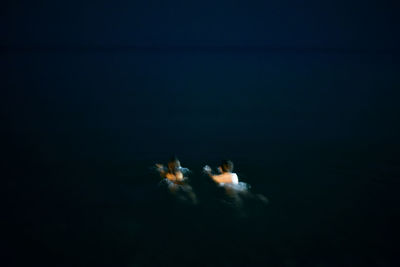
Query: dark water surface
x=324, y=210
x=316, y=133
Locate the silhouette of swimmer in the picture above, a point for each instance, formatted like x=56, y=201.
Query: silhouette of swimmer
x=230, y=181
x=175, y=176
x=226, y=175
x=173, y=172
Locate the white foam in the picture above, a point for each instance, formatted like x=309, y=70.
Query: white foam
x=240, y=187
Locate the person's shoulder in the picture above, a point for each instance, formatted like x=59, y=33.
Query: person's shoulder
x=221, y=175
x=169, y=176
x=235, y=178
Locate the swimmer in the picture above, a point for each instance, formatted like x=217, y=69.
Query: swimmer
x=174, y=172
x=226, y=176
x=230, y=182
x=176, y=178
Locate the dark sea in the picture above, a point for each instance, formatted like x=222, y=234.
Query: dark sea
x=315, y=132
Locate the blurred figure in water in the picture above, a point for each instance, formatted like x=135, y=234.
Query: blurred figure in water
x=230, y=181
x=226, y=175
x=173, y=172
x=227, y=179
x=176, y=179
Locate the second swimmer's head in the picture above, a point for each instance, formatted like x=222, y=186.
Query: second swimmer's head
x=174, y=164
x=226, y=166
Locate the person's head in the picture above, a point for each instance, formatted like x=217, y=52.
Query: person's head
x=226, y=166
x=174, y=164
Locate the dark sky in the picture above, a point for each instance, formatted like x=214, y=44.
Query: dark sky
x=123, y=79
x=333, y=24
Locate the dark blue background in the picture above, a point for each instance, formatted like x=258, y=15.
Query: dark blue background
x=302, y=95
